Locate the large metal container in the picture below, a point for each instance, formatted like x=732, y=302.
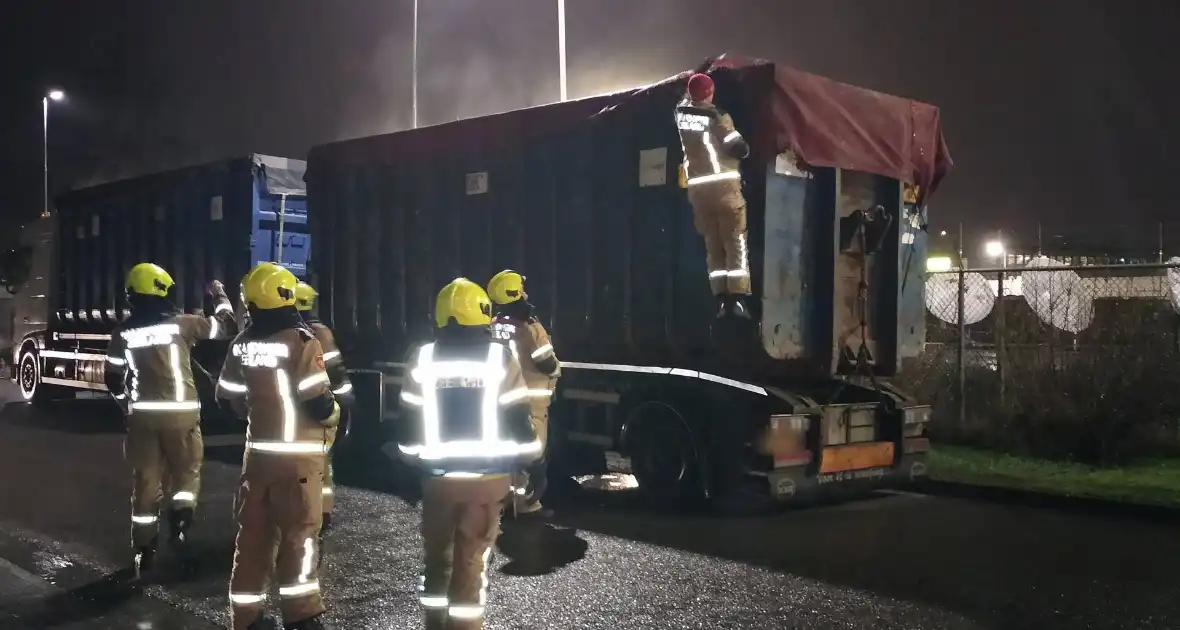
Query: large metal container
x=201, y=222
x=582, y=197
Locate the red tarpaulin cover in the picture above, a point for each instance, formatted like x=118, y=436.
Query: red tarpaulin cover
x=823, y=122
x=828, y=123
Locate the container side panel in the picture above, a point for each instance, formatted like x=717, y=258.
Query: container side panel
x=787, y=269
x=912, y=309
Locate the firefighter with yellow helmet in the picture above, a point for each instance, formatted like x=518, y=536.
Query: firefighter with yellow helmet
x=275, y=376
x=466, y=427
x=149, y=374
x=305, y=302
x=524, y=334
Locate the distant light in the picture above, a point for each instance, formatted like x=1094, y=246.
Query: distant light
x=56, y=95
x=994, y=249
x=938, y=263
x=942, y=233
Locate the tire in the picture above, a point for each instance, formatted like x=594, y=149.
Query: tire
x=664, y=455
x=28, y=378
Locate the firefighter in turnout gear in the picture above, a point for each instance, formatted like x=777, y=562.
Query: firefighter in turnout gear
x=275, y=376
x=149, y=374
x=466, y=427
x=516, y=326
x=305, y=302
x=713, y=150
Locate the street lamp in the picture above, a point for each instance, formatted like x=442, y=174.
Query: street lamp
x=994, y=249
x=56, y=96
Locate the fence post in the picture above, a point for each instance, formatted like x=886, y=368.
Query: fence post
x=961, y=373
x=1000, y=323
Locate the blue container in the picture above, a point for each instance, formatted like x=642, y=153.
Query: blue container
x=202, y=222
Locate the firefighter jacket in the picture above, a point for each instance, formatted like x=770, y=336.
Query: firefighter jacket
x=333, y=361
x=465, y=410
x=530, y=344
x=148, y=359
x=712, y=146
x=278, y=381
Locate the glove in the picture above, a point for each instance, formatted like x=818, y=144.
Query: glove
x=333, y=419
x=217, y=289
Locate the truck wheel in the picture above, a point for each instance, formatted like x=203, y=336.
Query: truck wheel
x=28, y=376
x=663, y=454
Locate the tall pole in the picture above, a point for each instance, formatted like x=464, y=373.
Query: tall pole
x=414, y=79
x=561, y=47
x=45, y=154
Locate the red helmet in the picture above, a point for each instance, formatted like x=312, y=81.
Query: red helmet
x=700, y=87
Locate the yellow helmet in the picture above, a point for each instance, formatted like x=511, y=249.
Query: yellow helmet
x=305, y=296
x=506, y=287
x=149, y=279
x=269, y=286
x=463, y=301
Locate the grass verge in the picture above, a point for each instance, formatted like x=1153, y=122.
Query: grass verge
x=1150, y=482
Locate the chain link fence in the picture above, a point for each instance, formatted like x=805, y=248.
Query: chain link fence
x=1054, y=360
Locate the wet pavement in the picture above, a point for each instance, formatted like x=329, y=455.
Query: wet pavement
x=892, y=561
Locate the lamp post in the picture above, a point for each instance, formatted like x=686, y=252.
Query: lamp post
x=414, y=72
x=52, y=95
x=561, y=48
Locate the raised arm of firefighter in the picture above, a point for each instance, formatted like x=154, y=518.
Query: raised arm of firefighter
x=731, y=140
x=222, y=325
x=313, y=387
x=115, y=371
x=231, y=385
x=334, y=362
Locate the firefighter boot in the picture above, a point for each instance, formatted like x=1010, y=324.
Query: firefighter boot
x=722, y=305
x=738, y=308
x=311, y=623
x=179, y=522
x=145, y=558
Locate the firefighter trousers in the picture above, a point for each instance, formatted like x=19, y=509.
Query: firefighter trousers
x=329, y=489
x=527, y=502
x=165, y=451
x=460, y=522
x=279, y=504
x=719, y=215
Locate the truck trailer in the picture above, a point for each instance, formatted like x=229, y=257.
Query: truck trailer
x=212, y=221
x=583, y=198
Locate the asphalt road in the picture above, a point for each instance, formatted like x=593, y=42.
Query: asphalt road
x=894, y=561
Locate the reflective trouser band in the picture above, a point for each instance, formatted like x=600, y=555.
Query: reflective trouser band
x=184, y=497
x=144, y=519
x=246, y=599
x=714, y=177
x=299, y=590
x=433, y=601
x=287, y=447
x=460, y=611
x=165, y=405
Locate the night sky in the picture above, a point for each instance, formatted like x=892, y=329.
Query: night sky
x=1058, y=111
